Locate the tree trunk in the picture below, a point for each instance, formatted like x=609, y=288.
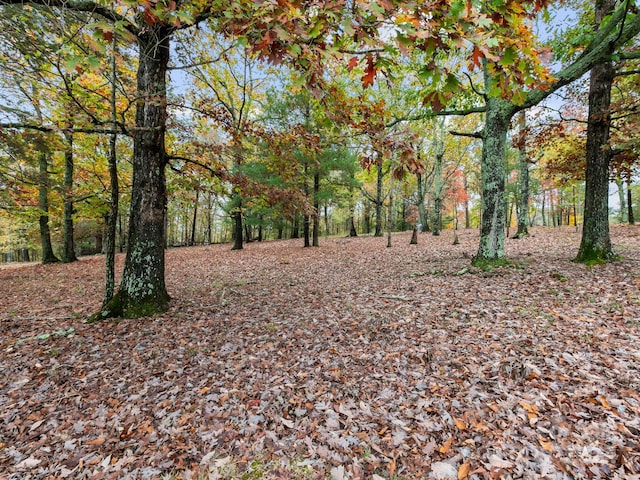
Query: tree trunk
x=68, y=248
x=209, y=219
x=295, y=230
x=467, y=224
x=327, y=230
x=110, y=237
x=414, y=236
x=316, y=208
x=112, y=216
x=142, y=290
x=544, y=217
x=596, y=242
x=390, y=210
x=192, y=240
x=497, y=118
x=622, y=198
x=236, y=215
x=379, y=202
x=422, y=213
x=43, y=202
x=632, y=220
x=438, y=183
x=523, y=210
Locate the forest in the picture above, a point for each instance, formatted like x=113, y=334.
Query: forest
x=361, y=191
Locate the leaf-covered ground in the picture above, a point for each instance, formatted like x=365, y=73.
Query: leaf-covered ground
x=351, y=360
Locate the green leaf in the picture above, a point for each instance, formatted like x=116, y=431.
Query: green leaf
x=294, y=49
x=93, y=62
x=72, y=62
x=509, y=57
x=457, y=7
x=492, y=42
x=317, y=29
x=451, y=83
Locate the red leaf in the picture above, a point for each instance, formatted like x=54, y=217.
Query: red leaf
x=352, y=63
x=476, y=56
x=370, y=73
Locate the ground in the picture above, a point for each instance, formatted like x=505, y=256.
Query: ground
x=351, y=360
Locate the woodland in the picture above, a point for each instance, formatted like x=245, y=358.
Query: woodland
x=352, y=360
x=376, y=203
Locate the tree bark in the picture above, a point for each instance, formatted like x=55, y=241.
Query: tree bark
x=467, y=223
x=68, y=248
x=236, y=215
x=192, y=240
x=595, y=245
x=497, y=118
x=142, y=290
x=316, y=209
x=523, y=210
x=422, y=213
x=622, y=198
x=632, y=220
x=436, y=223
x=379, y=202
x=414, y=237
x=43, y=202
x=438, y=184
x=114, y=192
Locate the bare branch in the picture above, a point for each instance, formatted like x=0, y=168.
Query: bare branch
x=477, y=135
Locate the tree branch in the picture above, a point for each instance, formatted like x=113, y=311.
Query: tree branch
x=54, y=129
x=216, y=173
x=477, y=135
x=431, y=114
x=81, y=6
x=599, y=50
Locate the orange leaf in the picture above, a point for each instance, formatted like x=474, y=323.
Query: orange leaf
x=461, y=424
x=96, y=442
x=352, y=63
x=463, y=471
x=546, y=444
x=446, y=446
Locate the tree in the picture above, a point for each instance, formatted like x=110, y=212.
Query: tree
x=618, y=30
x=523, y=179
x=596, y=243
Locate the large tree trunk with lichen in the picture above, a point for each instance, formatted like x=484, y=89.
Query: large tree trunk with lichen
x=595, y=245
x=142, y=289
x=497, y=118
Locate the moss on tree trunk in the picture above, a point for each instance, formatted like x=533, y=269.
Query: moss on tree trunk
x=595, y=245
x=142, y=290
x=492, y=235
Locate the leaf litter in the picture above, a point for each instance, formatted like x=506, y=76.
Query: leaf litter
x=346, y=361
